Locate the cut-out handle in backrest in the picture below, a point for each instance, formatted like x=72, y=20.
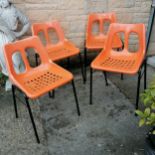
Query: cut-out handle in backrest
x=95, y=28
x=21, y=46
x=31, y=55
x=107, y=18
x=106, y=24
x=133, y=43
x=45, y=27
x=39, y=29
x=127, y=29
x=139, y=30
x=10, y=49
x=19, y=65
x=58, y=30
x=101, y=19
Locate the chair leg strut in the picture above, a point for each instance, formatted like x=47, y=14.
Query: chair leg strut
x=76, y=99
x=32, y=119
x=14, y=101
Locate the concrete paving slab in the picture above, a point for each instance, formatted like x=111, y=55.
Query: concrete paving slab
x=16, y=135
x=108, y=127
x=128, y=86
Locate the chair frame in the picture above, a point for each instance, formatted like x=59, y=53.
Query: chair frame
x=14, y=96
x=141, y=72
x=113, y=19
x=61, y=36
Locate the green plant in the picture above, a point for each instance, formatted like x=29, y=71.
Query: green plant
x=147, y=116
x=1, y=75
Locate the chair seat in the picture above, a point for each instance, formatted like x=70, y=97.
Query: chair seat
x=119, y=63
x=43, y=79
x=62, y=50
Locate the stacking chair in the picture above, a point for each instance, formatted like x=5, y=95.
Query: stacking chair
x=95, y=42
x=63, y=48
x=124, y=61
x=35, y=82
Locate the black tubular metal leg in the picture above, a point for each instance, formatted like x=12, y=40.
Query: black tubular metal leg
x=36, y=58
x=32, y=119
x=81, y=64
x=138, y=89
x=85, y=63
x=52, y=95
x=105, y=75
x=145, y=74
x=68, y=63
x=76, y=99
x=14, y=101
x=91, y=86
x=122, y=76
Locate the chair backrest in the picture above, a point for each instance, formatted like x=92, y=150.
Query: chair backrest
x=45, y=28
x=101, y=19
x=127, y=29
x=20, y=47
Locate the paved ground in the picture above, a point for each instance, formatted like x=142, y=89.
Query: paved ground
x=108, y=127
x=16, y=135
x=129, y=85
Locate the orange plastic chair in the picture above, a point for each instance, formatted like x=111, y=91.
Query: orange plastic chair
x=35, y=82
x=123, y=61
x=97, y=41
x=63, y=48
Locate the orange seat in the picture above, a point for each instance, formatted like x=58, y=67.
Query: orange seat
x=35, y=82
x=60, y=50
x=123, y=61
x=97, y=41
